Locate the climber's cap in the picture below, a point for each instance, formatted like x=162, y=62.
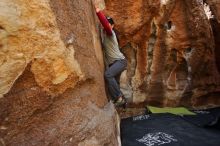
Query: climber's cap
x=110, y=20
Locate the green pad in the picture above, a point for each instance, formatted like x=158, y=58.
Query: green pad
x=176, y=111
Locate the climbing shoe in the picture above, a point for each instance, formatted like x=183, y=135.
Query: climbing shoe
x=121, y=102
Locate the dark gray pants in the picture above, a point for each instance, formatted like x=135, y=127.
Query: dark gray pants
x=112, y=76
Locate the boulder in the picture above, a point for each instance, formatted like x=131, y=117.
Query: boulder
x=51, y=76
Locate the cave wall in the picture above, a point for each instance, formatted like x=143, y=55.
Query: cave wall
x=51, y=75
x=215, y=22
x=171, y=52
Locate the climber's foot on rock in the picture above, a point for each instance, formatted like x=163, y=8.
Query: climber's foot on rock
x=121, y=102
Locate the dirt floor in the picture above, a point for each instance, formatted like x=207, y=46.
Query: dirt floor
x=129, y=112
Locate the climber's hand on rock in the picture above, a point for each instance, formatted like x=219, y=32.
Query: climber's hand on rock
x=97, y=9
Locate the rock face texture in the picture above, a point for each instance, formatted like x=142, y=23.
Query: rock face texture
x=51, y=75
x=171, y=51
x=215, y=8
x=215, y=22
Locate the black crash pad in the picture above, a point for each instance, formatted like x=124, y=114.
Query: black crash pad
x=167, y=130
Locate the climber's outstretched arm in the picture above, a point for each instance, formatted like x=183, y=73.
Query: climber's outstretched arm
x=104, y=21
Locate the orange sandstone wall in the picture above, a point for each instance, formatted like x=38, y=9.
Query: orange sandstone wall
x=51, y=75
x=171, y=51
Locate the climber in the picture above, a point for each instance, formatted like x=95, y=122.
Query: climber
x=114, y=60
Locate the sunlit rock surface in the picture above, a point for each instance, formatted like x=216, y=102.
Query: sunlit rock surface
x=51, y=75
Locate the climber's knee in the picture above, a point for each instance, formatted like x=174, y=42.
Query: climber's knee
x=108, y=75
